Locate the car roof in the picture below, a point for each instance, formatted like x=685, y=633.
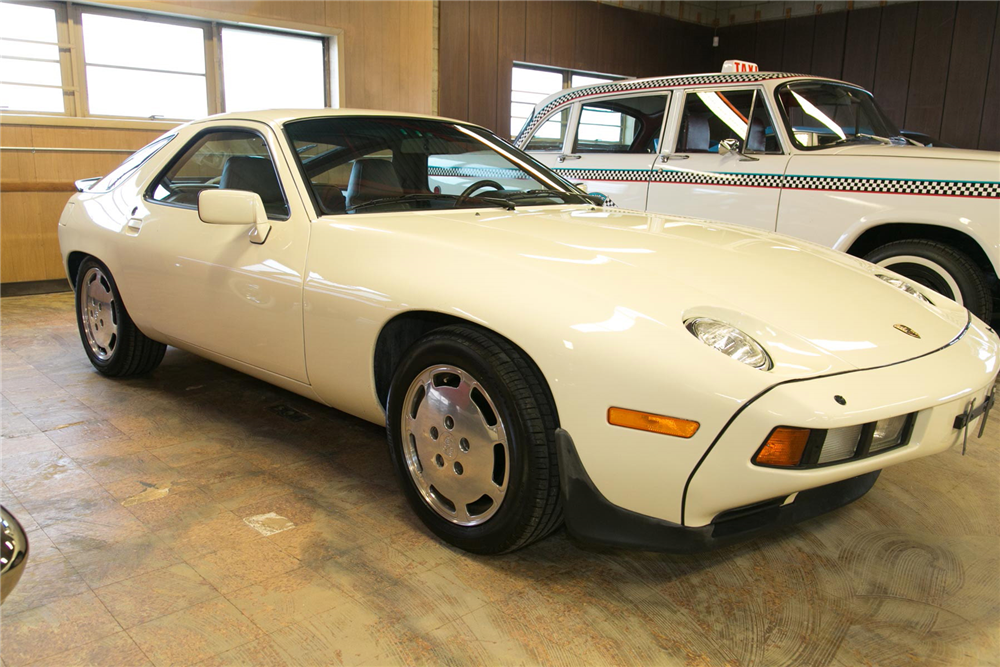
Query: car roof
x=281, y=116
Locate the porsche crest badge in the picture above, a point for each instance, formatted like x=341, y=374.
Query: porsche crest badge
x=905, y=329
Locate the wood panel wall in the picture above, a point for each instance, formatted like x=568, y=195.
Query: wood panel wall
x=388, y=58
x=933, y=66
x=480, y=41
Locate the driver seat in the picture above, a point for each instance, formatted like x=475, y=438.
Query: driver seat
x=372, y=178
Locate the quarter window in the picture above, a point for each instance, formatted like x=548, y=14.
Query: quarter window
x=621, y=125
x=713, y=116
x=227, y=160
x=131, y=163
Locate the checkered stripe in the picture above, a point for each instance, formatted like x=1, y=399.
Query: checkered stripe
x=989, y=190
x=646, y=84
x=479, y=172
x=895, y=186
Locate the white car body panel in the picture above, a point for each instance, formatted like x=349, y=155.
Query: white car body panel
x=596, y=297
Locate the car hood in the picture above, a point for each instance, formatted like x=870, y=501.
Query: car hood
x=815, y=310
x=916, y=152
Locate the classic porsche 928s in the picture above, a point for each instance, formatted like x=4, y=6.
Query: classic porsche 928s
x=653, y=382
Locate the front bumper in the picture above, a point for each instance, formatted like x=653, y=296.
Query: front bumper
x=591, y=518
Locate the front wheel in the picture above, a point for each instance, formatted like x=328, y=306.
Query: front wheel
x=113, y=343
x=471, y=431
x=940, y=267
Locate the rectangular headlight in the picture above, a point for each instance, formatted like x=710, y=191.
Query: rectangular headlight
x=888, y=433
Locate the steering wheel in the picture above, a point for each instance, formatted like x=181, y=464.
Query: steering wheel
x=467, y=192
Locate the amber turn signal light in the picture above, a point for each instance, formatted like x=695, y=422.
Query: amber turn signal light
x=646, y=421
x=784, y=447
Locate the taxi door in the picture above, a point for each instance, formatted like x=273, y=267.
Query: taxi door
x=611, y=144
x=718, y=163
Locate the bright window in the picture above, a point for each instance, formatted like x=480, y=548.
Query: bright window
x=531, y=84
x=263, y=70
x=30, y=72
x=137, y=67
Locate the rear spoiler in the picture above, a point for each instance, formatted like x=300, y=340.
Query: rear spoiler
x=84, y=184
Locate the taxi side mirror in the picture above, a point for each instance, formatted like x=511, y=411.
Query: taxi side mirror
x=731, y=145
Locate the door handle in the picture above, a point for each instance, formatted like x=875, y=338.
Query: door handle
x=564, y=157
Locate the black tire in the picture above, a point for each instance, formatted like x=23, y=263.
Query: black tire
x=960, y=271
x=531, y=508
x=130, y=352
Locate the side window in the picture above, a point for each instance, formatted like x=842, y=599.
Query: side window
x=226, y=160
x=621, y=125
x=549, y=135
x=712, y=116
x=131, y=163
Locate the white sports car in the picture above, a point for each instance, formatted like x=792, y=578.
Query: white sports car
x=651, y=381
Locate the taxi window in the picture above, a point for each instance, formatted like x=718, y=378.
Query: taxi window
x=550, y=134
x=713, y=116
x=621, y=125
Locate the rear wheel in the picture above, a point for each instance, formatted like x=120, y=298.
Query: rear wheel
x=940, y=267
x=472, y=437
x=111, y=340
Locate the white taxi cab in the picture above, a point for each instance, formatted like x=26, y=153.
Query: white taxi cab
x=805, y=156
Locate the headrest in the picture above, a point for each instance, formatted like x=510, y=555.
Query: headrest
x=756, y=142
x=697, y=134
x=372, y=178
x=255, y=174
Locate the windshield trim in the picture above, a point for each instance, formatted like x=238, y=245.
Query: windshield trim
x=790, y=131
x=480, y=134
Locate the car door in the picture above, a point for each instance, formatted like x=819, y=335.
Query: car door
x=211, y=286
x=614, y=141
x=696, y=175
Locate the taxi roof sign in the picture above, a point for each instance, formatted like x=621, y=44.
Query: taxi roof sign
x=739, y=66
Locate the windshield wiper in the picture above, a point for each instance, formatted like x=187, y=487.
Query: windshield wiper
x=875, y=137
x=526, y=194
x=430, y=196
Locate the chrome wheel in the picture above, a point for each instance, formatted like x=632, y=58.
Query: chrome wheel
x=97, y=311
x=455, y=445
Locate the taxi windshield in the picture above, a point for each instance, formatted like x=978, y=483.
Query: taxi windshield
x=819, y=114
x=382, y=164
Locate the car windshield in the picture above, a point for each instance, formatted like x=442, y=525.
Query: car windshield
x=375, y=165
x=820, y=114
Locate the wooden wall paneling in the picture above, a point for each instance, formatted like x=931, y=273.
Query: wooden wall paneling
x=697, y=41
x=861, y=46
x=510, y=48
x=975, y=23
x=453, y=49
x=352, y=15
x=770, y=45
x=16, y=165
x=929, y=67
x=392, y=64
x=800, y=36
x=895, y=53
x=828, y=47
x=372, y=27
x=648, y=46
x=588, y=36
x=564, y=34
x=483, y=21
x=736, y=42
x=989, y=135
x=538, y=32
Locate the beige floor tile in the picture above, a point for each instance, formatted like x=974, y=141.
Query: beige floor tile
x=214, y=471
x=95, y=530
x=123, y=560
x=367, y=569
x=83, y=433
x=43, y=632
x=199, y=535
x=117, y=650
x=194, y=634
x=252, y=562
x=349, y=634
x=263, y=652
x=192, y=452
x=41, y=475
x=69, y=505
x=155, y=594
x=327, y=536
x=294, y=507
x=287, y=598
x=138, y=466
x=26, y=444
x=42, y=583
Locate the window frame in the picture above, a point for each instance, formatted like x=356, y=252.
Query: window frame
x=758, y=94
x=610, y=97
x=69, y=29
x=183, y=150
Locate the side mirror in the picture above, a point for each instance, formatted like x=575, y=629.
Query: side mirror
x=235, y=207
x=730, y=145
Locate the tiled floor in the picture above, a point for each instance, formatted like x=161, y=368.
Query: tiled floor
x=136, y=496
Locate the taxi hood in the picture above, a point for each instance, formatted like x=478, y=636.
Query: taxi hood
x=814, y=310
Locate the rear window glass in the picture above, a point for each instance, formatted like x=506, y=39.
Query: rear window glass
x=131, y=163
